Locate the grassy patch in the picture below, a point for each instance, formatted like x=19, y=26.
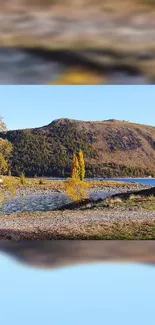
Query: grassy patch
x=59, y=184
x=134, y=201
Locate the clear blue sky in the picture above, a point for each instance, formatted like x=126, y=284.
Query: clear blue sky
x=32, y=106
x=81, y=295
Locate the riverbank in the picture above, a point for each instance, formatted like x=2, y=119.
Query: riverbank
x=128, y=212
x=36, y=185
x=95, y=224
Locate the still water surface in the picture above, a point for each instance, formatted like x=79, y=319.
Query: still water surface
x=41, y=202
x=100, y=293
x=49, y=202
x=147, y=181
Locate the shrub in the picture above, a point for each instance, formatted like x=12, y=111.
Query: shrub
x=76, y=189
x=22, y=179
x=8, y=188
x=114, y=200
x=132, y=197
x=41, y=182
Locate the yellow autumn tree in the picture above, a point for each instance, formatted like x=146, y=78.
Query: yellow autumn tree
x=5, y=149
x=75, y=167
x=76, y=188
x=5, y=152
x=81, y=165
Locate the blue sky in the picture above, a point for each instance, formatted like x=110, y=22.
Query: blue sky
x=32, y=106
x=90, y=294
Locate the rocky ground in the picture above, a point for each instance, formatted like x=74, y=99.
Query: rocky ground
x=89, y=223
x=108, y=189
x=70, y=224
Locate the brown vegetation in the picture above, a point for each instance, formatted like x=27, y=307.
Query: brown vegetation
x=111, y=148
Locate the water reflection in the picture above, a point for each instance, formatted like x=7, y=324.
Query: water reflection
x=49, y=254
x=37, y=66
x=83, y=294
x=19, y=67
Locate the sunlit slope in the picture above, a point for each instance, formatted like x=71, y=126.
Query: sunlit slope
x=111, y=148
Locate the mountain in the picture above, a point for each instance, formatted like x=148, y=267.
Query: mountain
x=111, y=148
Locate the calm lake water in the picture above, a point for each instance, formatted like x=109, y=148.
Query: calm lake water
x=99, y=293
x=147, y=181
x=49, y=202
x=42, y=202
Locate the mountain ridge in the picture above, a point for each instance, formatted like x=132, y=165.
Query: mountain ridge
x=64, y=119
x=111, y=148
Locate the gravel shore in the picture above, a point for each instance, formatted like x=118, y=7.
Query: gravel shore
x=107, y=189
x=56, y=223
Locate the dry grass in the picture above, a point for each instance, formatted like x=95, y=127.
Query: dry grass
x=59, y=184
x=134, y=201
x=33, y=182
x=109, y=183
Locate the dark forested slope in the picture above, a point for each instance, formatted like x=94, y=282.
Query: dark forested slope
x=111, y=148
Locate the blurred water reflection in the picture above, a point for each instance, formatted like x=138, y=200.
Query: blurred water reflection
x=116, y=42
x=111, y=293
x=58, y=253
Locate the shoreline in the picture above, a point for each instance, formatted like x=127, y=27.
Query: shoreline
x=95, y=224
x=118, y=219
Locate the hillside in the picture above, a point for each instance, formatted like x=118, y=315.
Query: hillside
x=111, y=148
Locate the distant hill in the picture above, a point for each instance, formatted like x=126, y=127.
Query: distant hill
x=111, y=148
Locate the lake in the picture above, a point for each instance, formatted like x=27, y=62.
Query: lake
x=147, y=181
x=42, y=202
x=97, y=293
x=49, y=202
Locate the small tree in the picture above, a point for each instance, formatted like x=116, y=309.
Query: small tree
x=75, y=167
x=5, y=150
x=82, y=165
x=22, y=179
x=76, y=189
x=3, y=165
